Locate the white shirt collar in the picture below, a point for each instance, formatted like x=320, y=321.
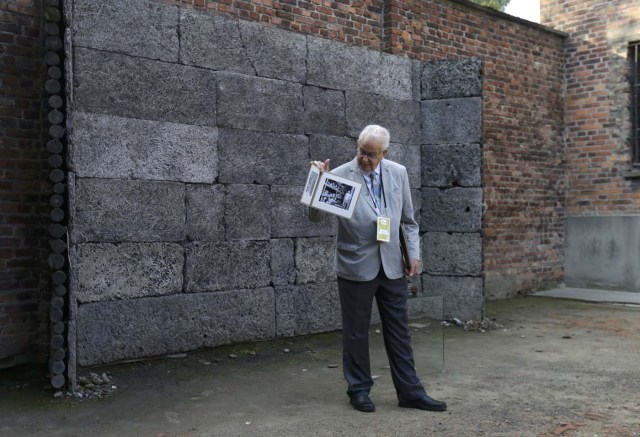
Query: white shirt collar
x=368, y=173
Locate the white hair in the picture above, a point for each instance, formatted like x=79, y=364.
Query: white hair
x=377, y=132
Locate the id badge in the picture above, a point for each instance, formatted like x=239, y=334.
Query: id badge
x=384, y=229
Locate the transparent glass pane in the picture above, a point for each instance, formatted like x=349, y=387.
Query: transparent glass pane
x=427, y=337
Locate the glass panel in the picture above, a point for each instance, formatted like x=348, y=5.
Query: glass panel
x=634, y=58
x=427, y=338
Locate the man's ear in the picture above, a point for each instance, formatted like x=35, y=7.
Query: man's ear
x=384, y=153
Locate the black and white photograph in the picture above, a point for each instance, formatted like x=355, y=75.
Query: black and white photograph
x=336, y=195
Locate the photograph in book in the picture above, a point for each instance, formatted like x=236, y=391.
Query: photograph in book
x=312, y=181
x=335, y=195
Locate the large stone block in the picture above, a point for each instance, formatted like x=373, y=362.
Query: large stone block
x=463, y=296
x=401, y=117
x=110, y=83
x=409, y=156
x=212, y=41
x=338, y=149
x=248, y=157
x=452, y=254
x=314, y=260
x=339, y=66
x=112, y=210
x=226, y=266
x=255, y=103
x=452, y=121
x=283, y=269
x=324, y=111
x=452, y=210
x=452, y=78
x=290, y=218
x=105, y=146
x=127, y=270
x=205, y=212
x=246, y=212
x=305, y=309
x=273, y=52
x=395, y=77
x=451, y=165
x=116, y=330
x=136, y=27
x=426, y=306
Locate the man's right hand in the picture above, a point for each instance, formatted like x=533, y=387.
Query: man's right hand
x=323, y=166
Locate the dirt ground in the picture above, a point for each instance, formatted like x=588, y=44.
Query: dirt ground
x=558, y=367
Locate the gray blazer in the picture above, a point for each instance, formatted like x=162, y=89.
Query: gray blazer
x=358, y=254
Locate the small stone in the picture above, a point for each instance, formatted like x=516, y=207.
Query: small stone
x=233, y=356
x=375, y=376
x=522, y=336
x=206, y=363
x=417, y=325
x=377, y=331
x=286, y=351
x=304, y=370
x=89, y=386
x=57, y=394
x=96, y=380
x=83, y=380
x=106, y=379
x=252, y=352
x=332, y=366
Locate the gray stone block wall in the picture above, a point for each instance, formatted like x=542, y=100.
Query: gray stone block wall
x=189, y=152
x=127, y=270
x=115, y=330
x=150, y=150
x=110, y=83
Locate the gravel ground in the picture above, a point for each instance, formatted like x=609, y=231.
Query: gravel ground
x=536, y=367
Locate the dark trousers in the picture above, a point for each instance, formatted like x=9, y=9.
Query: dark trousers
x=356, y=299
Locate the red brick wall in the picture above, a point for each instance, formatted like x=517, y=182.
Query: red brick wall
x=523, y=110
x=598, y=96
x=24, y=291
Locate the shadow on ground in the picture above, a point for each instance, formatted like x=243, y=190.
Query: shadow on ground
x=558, y=367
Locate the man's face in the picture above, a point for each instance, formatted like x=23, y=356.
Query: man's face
x=370, y=153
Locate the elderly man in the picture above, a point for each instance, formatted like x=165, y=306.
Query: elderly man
x=369, y=264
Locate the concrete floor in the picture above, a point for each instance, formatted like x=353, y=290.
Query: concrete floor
x=558, y=367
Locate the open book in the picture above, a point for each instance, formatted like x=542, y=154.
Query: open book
x=331, y=193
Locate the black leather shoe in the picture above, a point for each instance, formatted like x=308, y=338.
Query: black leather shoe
x=362, y=402
x=423, y=403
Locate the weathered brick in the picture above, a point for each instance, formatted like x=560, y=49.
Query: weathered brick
x=127, y=270
x=115, y=84
x=112, y=210
x=290, y=217
x=246, y=212
x=262, y=157
x=314, y=260
x=143, y=150
x=452, y=120
x=136, y=27
x=452, y=210
x=256, y=103
x=212, y=266
x=110, y=331
x=205, y=212
x=451, y=165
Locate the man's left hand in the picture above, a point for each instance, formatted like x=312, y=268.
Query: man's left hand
x=415, y=268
